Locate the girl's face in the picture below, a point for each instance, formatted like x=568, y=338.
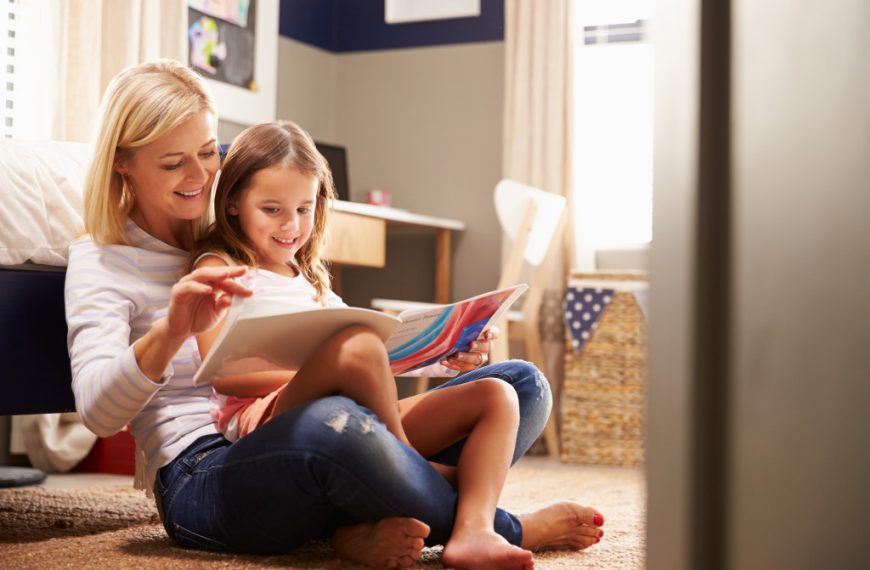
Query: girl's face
x=171, y=177
x=276, y=214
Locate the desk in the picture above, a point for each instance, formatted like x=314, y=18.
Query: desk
x=358, y=236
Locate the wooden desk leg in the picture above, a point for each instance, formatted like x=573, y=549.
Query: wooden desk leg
x=442, y=266
x=335, y=270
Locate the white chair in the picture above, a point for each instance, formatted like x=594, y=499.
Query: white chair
x=533, y=220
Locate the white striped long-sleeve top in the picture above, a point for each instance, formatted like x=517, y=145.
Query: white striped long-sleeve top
x=114, y=294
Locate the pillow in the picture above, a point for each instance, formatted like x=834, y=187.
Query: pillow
x=40, y=199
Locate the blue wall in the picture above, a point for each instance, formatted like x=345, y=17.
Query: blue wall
x=358, y=25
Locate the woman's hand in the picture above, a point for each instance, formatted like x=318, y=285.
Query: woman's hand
x=201, y=298
x=477, y=355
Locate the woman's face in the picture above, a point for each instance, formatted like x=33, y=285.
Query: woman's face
x=171, y=177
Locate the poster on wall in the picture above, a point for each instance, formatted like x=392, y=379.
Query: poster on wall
x=221, y=36
x=233, y=45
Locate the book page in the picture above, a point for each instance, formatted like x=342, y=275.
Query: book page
x=279, y=335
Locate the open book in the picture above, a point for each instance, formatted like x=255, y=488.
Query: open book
x=257, y=331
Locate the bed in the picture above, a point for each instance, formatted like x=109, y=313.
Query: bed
x=40, y=214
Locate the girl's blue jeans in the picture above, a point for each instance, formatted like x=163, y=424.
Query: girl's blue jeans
x=323, y=465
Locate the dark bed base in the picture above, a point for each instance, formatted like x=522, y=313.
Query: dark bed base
x=34, y=364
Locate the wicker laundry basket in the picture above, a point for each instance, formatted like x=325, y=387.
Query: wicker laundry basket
x=603, y=393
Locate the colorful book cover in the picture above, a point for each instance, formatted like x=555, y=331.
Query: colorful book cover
x=427, y=336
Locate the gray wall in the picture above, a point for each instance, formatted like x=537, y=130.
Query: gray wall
x=306, y=91
x=426, y=124
x=423, y=123
x=792, y=421
x=307, y=94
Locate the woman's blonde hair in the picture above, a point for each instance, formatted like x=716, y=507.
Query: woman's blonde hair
x=280, y=144
x=141, y=104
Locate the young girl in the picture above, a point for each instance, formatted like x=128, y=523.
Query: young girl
x=271, y=207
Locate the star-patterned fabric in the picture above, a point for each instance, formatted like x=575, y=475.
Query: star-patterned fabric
x=582, y=307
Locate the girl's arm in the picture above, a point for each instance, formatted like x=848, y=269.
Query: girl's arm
x=477, y=355
x=251, y=385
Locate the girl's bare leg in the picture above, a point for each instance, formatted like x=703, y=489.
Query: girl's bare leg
x=487, y=412
x=353, y=363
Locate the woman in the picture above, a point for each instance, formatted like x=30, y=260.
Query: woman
x=313, y=471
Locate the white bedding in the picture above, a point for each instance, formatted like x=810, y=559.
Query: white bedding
x=40, y=199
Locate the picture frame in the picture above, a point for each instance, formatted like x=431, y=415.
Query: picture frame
x=245, y=106
x=408, y=11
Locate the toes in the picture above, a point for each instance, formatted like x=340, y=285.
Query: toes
x=415, y=528
x=590, y=531
x=415, y=552
x=586, y=515
x=584, y=542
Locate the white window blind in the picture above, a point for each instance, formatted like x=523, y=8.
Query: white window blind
x=9, y=63
x=26, y=37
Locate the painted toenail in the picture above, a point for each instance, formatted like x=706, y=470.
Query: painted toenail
x=598, y=519
x=600, y=534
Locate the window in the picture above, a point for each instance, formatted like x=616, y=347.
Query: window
x=613, y=127
x=25, y=110
x=9, y=63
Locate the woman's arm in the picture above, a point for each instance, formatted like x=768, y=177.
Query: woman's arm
x=102, y=295
x=251, y=385
x=112, y=379
x=205, y=340
x=197, y=304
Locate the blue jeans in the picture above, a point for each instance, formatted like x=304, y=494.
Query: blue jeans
x=323, y=465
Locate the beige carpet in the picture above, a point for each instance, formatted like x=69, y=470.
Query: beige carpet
x=116, y=527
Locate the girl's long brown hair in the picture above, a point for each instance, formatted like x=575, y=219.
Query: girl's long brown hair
x=282, y=144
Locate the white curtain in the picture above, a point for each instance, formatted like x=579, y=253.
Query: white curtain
x=537, y=132
x=88, y=42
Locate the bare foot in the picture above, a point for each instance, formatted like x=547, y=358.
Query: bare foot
x=484, y=550
x=565, y=525
x=389, y=543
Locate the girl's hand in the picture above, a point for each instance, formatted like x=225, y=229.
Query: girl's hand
x=477, y=355
x=201, y=298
